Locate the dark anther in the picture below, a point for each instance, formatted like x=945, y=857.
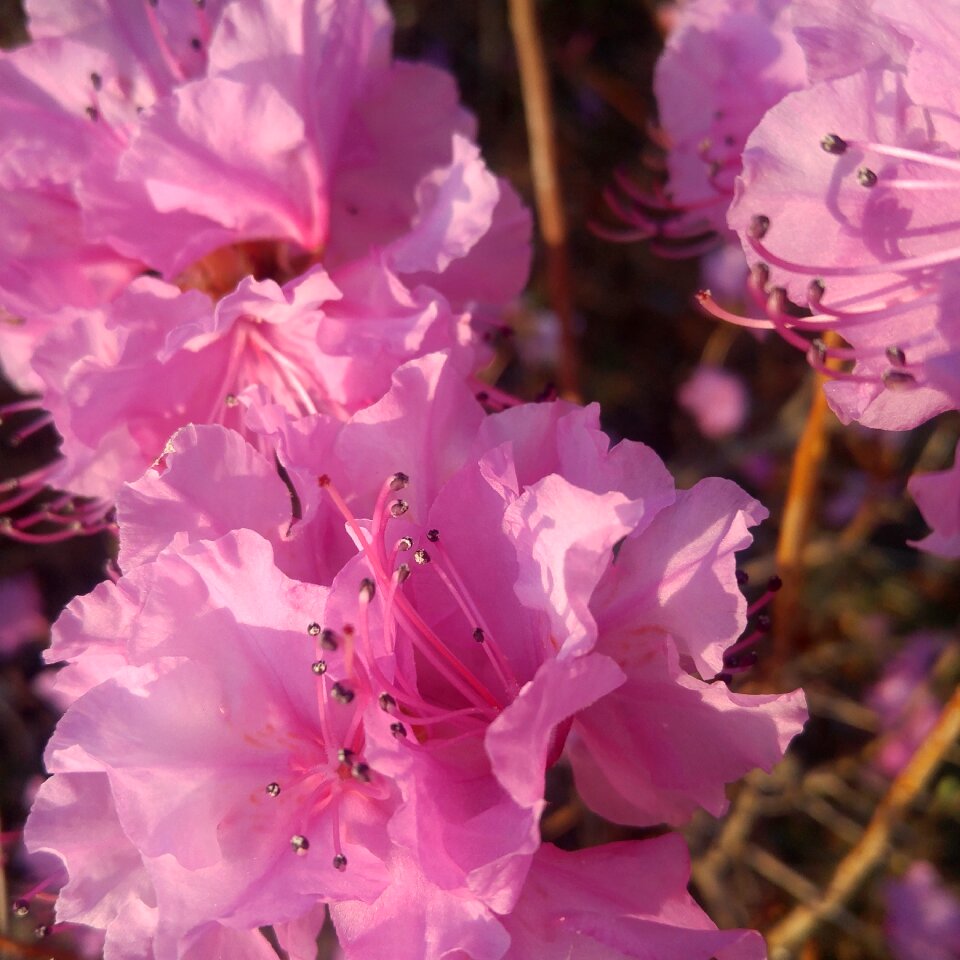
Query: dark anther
x=759, y=225
x=93, y=113
x=403, y=571
x=328, y=639
x=361, y=772
x=96, y=80
x=340, y=693
x=232, y=400
x=200, y=4
x=323, y=480
x=348, y=629
x=898, y=378
x=42, y=930
x=760, y=275
x=398, y=508
x=483, y=396
x=819, y=347
x=433, y=535
x=831, y=143
x=340, y=862
x=896, y=356
x=153, y=3
x=21, y=908
x=345, y=755
x=404, y=543
x=387, y=703
x=421, y=557
x=815, y=291
x=774, y=584
x=156, y=274
x=478, y=635
x=314, y=629
x=273, y=789
x=743, y=578
x=398, y=481
x=763, y=622
x=398, y=730
x=300, y=844
x=319, y=667
x=196, y=43
x=866, y=177
x=367, y=589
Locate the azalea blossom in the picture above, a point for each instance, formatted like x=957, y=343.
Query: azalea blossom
x=724, y=64
x=844, y=207
x=300, y=230
x=416, y=665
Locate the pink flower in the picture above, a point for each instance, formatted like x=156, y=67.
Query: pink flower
x=495, y=582
x=938, y=497
x=21, y=619
x=259, y=157
x=904, y=702
x=572, y=903
x=923, y=916
x=717, y=401
x=843, y=207
x=725, y=63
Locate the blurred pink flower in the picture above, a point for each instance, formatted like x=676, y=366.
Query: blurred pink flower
x=716, y=399
x=938, y=497
x=904, y=702
x=21, y=616
x=923, y=916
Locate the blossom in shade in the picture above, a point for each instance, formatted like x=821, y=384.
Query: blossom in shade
x=22, y=618
x=923, y=916
x=938, y=497
x=725, y=63
x=902, y=699
x=716, y=399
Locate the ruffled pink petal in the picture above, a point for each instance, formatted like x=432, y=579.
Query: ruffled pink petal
x=687, y=739
x=578, y=905
x=678, y=576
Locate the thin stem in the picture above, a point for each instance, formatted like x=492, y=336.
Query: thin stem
x=790, y=934
x=535, y=88
x=798, y=511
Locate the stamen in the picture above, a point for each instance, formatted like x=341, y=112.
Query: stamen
x=300, y=844
x=773, y=586
x=831, y=143
x=273, y=789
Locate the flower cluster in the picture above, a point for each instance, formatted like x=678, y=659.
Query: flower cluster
x=846, y=179
x=362, y=605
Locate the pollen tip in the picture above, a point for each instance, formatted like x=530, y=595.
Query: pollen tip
x=433, y=535
x=866, y=177
x=833, y=144
x=340, y=862
x=759, y=225
x=300, y=844
x=398, y=481
x=323, y=480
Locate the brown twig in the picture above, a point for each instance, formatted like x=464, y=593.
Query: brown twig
x=538, y=110
x=798, y=512
x=789, y=935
